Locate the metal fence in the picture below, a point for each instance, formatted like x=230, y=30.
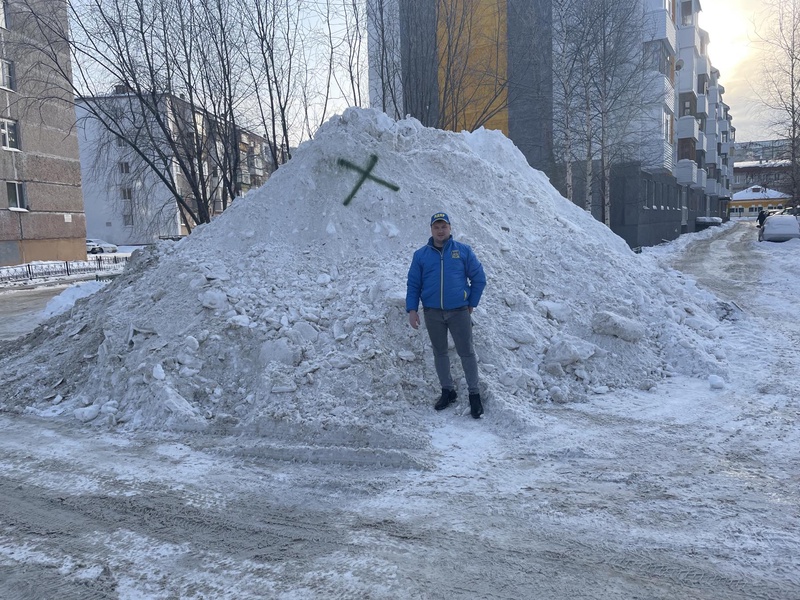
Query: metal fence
x=42, y=270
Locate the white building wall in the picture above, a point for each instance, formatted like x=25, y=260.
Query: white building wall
x=153, y=211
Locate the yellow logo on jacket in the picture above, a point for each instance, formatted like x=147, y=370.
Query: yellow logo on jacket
x=455, y=254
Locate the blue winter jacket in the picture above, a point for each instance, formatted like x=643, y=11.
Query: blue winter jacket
x=448, y=279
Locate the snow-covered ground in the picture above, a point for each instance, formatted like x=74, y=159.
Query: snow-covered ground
x=246, y=413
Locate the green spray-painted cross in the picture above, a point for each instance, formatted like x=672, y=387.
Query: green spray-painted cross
x=365, y=174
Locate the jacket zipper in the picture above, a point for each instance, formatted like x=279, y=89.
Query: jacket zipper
x=441, y=278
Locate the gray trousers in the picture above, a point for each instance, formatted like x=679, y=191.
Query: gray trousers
x=459, y=323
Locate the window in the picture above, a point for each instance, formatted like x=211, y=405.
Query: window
x=3, y=11
x=127, y=193
x=658, y=57
x=6, y=74
x=127, y=217
x=687, y=18
x=16, y=195
x=124, y=167
x=8, y=134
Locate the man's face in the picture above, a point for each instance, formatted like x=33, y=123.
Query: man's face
x=440, y=230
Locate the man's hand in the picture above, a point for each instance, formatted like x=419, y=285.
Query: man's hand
x=413, y=319
x=470, y=309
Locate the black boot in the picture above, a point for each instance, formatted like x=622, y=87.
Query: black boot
x=475, y=406
x=448, y=397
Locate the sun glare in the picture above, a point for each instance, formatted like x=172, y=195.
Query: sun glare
x=729, y=24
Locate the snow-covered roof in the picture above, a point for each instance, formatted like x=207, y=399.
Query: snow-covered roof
x=764, y=164
x=759, y=192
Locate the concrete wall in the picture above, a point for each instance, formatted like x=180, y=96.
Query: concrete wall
x=419, y=55
x=154, y=210
x=530, y=93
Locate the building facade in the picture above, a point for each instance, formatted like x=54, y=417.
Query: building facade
x=41, y=206
x=671, y=160
x=130, y=180
x=461, y=64
x=691, y=177
x=747, y=203
x=765, y=163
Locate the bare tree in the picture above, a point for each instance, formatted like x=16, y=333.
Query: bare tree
x=571, y=28
x=599, y=67
x=449, y=67
x=174, y=70
x=779, y=89
x=349, y=65
x=472, y=62
x=618, y=84
x=385, y=68
x=274, y=62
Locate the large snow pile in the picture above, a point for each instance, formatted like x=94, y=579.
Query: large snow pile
x=285, y=318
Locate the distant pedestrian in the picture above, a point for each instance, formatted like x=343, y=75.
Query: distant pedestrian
x=449, y=280
x=762, y=216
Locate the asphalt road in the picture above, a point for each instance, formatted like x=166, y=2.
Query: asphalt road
x=20, y=309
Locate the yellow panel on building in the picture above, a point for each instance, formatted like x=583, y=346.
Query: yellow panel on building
x=473, y=64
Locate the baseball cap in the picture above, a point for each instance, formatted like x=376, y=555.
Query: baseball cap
x=440, y=216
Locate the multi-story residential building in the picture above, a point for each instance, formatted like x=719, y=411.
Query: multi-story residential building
x=130, y=176
x=765, y=164
x=677, y=163
x=41, y=210
x=764, y=150
x=775, y=174
x=497, y=73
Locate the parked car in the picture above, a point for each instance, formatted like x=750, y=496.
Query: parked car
x=96, y=246
x=779, y=228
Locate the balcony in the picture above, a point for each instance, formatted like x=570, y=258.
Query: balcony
x=659, y=90
x=711, y=150
x=702, y=104
x=688, y=127
x=658, y=155
x=685, y=78
x=726, y=147
x=686, y=172
x=712, y=187
x=703, y=65
x=689, y=37
x=660, y=27
x=702, y=141
x=702, y=179
x=712, y=129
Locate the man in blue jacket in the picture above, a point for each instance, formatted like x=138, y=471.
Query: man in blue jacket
x=449, y=280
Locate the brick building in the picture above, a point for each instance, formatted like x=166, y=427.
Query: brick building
x=41, y=206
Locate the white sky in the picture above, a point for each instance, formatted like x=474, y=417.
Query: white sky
x=633, y=420
x=732, y=25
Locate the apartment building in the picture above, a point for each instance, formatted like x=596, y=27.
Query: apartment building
x=461, y=65
x=41, y=207
x=691, y=177
x=130, y=193
x=765, y=163
x=673, y=162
